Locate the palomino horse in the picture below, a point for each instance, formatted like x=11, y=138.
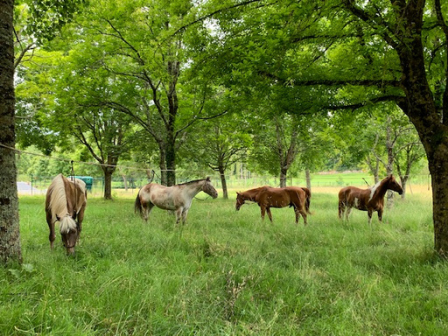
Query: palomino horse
x=369, y=200
x=177, y=197
x=66, y=202
x=268, y=197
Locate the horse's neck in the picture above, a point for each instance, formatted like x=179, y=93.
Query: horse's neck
x=191, y=190
x=380, y=191
x=251, y=196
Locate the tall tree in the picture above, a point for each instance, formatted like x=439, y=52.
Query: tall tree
x=132, y=41
x=399, y=52
x=10, y=248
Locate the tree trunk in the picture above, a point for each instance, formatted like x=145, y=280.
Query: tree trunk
x=162, y=166
x=10, y=248
x=308, y=178
x=108, y=182
x=404, y=181
x=374, y=164
x=171, y=163
x=125, y=182
x=225, y=193
x=421, y=110
x=390, y=160
x=283, y=173
x=438, y=166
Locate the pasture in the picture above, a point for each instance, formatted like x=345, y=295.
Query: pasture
x=228, y=273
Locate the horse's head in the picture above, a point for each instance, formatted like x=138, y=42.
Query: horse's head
x=209, y=189
x=392, y=184
x=239, y=201
x=69, y=233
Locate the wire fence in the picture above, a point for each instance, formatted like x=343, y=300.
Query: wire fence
x=36, y=185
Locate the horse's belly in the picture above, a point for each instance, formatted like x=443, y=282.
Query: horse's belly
x=163, y=202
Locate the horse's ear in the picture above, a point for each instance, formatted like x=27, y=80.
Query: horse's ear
x=208, y=178
x=237, y=193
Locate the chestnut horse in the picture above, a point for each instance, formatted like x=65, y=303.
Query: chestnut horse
x=369, y=200
x=268, y=197
x=177, y=197
x=66, y=202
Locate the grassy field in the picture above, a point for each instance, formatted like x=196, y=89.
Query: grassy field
x=228, y=273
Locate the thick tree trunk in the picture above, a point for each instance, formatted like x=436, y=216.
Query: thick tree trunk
x=404, y=181
x=308, y=178
x=433, y=133
x=108, y=182
x=162, y=166
x=10, y=248
x=283, y=173
x=438, y=167
x=223, y=183
x=171, y=163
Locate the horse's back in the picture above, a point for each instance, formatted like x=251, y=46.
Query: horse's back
x=275, y=197
x=350, y=190
x=162, y=196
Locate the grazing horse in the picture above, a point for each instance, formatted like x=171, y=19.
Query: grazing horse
x=369, y=200
x=66, y=202
x=268, y=197
x=177, y=197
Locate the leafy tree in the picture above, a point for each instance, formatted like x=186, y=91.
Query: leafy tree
x=36, y=22
x=10, y=248
x=220, y=143
x=131, y=42
x=398, y=53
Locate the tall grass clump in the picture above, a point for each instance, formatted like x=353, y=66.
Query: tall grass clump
x=227, y=272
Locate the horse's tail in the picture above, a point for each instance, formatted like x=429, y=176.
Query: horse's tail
x=138, y=205
x=342, y=196
x=67, y=224
x=307, y=200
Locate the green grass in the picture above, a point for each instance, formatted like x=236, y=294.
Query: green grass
x=228, y=273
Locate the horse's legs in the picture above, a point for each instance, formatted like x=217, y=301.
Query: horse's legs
x=178, y=215
x=263, y=211
x=347, y=212
x=80, y=219
x=304, y=215
x=380, y=215
x=52, y=235
x=269, y=213
x=341, y=209
x=370, y=213
x=184, y=216
x=147, y=207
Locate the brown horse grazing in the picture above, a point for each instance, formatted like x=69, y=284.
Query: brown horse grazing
x=66, y=202
x=268, y=197
x=177, y=197
x=369, y=200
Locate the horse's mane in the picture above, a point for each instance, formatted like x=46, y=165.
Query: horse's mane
x=373, y=189
x=58, y=198
x=376, y=187
x=58, y=202
x=191, y=182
